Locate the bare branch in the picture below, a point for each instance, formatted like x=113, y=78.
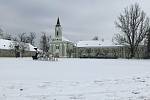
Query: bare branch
x=134, y=26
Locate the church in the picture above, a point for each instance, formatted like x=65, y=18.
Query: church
x=64, y=48
x=60, y=46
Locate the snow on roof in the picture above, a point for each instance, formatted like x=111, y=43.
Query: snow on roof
x=95, y=43
x=8, y=44
x=65, y=39
x=5, y=44
x=31, y=47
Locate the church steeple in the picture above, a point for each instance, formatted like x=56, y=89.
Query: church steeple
x=58, y=22
x=58, y=31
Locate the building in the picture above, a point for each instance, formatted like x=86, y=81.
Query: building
x=99, y=49
x=105, y=49
x=9, y=48
x=60, y=46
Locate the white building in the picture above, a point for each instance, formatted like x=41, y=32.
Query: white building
x=9, y=48
x=60, y=46
x=105, y=49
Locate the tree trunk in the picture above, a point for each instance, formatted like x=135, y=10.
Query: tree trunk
x=132, y=52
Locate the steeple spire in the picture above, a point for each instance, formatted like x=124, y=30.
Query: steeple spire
x=58, y=22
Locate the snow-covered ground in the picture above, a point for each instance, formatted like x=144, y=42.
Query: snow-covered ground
x=74, y=79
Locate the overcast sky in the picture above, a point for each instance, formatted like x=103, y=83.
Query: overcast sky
x=80, y=19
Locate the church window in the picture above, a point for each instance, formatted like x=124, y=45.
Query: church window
x=57, y=47
x=57, y=33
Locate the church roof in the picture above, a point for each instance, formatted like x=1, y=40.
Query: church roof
x=65, y=39
x=95, y=43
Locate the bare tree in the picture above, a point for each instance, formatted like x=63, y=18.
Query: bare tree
x=44, y=43
x=1, y=33
x=7, y=36
x=31, y=38
x=134, y=26
x=22, y=40
x=22, y=37
x=27, y=38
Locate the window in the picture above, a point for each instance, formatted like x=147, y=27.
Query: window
x=57, y=47
x=57, y=33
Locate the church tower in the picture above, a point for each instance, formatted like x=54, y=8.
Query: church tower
x=59, y=46
x=58, y=31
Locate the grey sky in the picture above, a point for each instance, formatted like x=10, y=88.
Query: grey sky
x=80, y=19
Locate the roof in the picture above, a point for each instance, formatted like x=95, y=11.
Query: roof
x=95, y=43
x=65, y=39
x=58, y=22
x=31, y=47
x=5, y=44
x=8, y=44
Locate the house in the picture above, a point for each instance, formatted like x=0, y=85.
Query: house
x=9, y=48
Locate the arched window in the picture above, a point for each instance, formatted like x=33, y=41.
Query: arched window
x=57, y=33
x=57, y=46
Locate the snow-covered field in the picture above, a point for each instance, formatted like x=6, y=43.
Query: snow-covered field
x=74, y=79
